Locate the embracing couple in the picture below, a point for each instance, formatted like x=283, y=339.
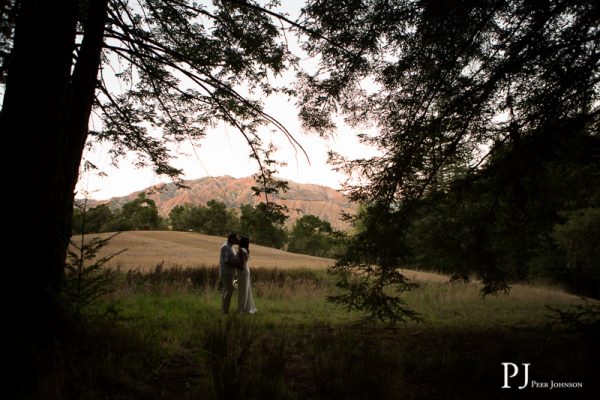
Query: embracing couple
x=235, y=263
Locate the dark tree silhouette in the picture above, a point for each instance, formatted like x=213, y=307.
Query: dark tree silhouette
x=179, y=62
x=460, y=92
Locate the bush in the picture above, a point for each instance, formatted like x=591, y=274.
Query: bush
x=579, y=239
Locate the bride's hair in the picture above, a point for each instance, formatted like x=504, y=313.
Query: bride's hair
x=245, y=243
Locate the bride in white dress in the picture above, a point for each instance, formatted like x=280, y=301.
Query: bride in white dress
x=245, y=298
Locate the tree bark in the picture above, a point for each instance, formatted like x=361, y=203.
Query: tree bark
x=44, y=126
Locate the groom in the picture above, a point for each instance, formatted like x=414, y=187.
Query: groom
x=229, y=264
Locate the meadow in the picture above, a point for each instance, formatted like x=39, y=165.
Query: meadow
x=146, y=249
x=160, y=335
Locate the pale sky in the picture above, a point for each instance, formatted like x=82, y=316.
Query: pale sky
x=224, y=150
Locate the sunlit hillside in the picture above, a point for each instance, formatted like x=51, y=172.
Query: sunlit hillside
x=301, y=199
x=146, y=249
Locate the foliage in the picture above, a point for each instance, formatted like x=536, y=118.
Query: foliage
x=8, y=13
x=269, y=187
x=375, y=291
x=219, y=220
x=579, y=239
x=263, y=224
x=370, y=281
x=214, y=219
x=141, y=214
x=311, y=235
x=581, y=318
x=183, y=63
x=95, y=219
x=155, y=72
x=86, y=278
x=470, y=229
x=479, y=108
x=138, y=214
x=185, y=217
x=86, y=284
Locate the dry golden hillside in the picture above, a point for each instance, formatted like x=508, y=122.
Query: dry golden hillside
x=324, y=202
x=146, y=249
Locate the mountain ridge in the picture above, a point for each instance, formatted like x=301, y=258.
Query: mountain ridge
x=301, y=198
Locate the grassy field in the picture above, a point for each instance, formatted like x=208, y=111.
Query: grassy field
x=160, y=335
x=146, y=249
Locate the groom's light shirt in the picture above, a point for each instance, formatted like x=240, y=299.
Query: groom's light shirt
x=227, y=254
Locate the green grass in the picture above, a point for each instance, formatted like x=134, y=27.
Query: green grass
x=168, y=305
x=170, y=341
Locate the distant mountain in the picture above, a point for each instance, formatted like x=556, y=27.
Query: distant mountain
x=322, y=201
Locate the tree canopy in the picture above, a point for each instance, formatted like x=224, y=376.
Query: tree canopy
x=156, y=72
x=312, y=235
x=214, y=219
x=487, y=118
x=453, y=82
x=185, y=67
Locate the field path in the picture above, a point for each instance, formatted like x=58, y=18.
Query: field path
x=146, y=249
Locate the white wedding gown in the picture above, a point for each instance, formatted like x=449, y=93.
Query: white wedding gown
x=245, y=298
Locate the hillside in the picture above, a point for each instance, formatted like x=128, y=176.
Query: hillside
x=146, y=249
x=322, y=201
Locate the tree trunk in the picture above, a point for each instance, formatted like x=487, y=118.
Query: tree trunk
x=43, y=125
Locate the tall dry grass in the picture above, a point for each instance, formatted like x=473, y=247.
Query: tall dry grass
x=168, y=339
x=299, y=346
